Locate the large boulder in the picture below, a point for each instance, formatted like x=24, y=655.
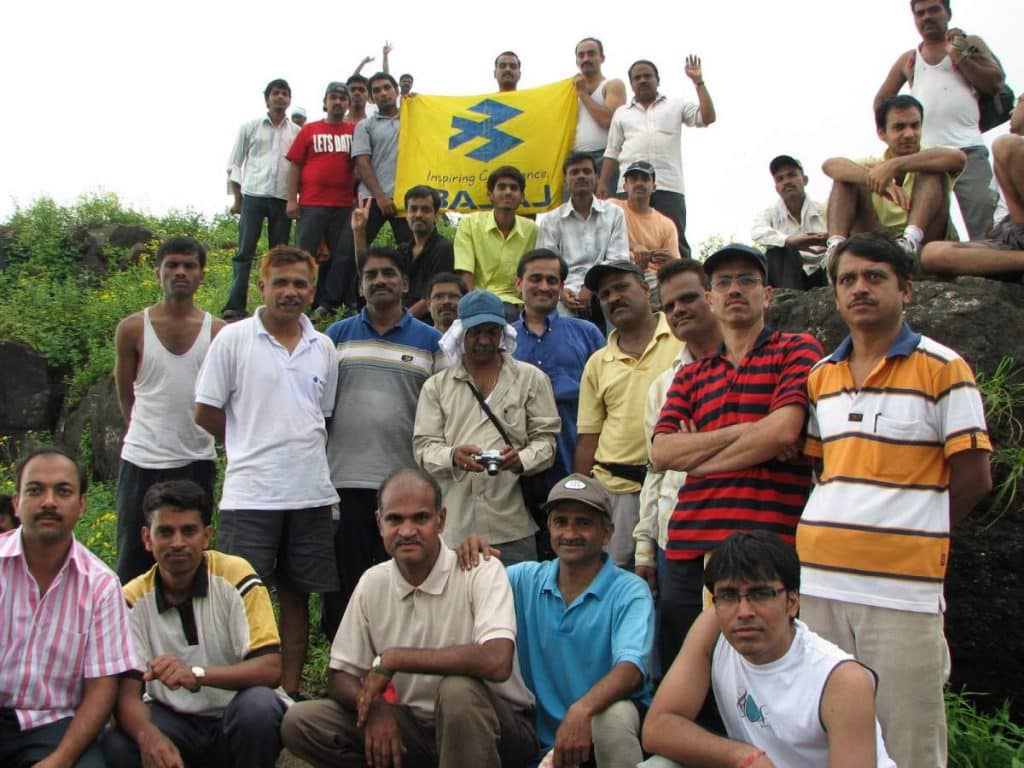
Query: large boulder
x=978, y=318
x=29, y=390
x=93, y=430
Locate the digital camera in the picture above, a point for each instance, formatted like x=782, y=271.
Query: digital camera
x=491, y=460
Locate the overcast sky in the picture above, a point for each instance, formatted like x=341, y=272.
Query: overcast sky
x=144, y=99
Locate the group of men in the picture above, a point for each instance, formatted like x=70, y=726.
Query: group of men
x=556, y=657
x=329, y=170
x=671, y=466
x=933, y=146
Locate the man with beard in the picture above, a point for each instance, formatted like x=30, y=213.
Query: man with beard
x=793, y=231
x=947, y=73
x=375, y=151
x=905, y=192
x=612, y=440
x=489, y=244
x=427, y=254
x=444, y=291
x=384, y=356
x=584, y=231
x=320, y=181
x=457, y=421
x=265, y=390
x=507, y=71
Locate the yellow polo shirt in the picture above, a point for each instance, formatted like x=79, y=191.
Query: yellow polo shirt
x=612, y=397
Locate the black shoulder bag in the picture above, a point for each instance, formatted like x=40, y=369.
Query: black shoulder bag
x=533, y=487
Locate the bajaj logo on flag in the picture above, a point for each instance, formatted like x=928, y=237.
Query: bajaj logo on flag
x=455, y=143
x=498, y=142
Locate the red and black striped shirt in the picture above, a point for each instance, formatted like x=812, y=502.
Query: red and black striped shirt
x=712, y=393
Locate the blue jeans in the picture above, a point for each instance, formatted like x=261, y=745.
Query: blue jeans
x=250, y=227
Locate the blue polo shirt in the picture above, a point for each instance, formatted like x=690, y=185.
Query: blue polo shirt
x=561, y=352
x=379, y=381
x=564, y=650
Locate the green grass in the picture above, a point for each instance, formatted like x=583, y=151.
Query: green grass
x=979, y=739
x=1003, y=394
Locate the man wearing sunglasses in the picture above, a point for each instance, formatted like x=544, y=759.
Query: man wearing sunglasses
x=733, y=421
x=788, y=697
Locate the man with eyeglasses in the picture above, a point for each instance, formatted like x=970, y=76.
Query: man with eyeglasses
x=444, y=291
x=733, y=422
x=788, y=697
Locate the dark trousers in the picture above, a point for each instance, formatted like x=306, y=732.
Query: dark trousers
x=20, y=749
x=248, y=735
x=340, y=286
x=673, y=205
x=785, y=270
x=250, y=227
x=132, y=484
x=357, y=546
x=680, y=602
x=317, y=222
x=472, y=726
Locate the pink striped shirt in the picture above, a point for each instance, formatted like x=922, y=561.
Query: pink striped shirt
x=49, y=644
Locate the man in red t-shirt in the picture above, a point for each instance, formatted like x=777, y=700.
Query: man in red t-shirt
x=320, y=180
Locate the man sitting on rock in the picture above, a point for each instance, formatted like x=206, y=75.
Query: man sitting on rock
x=906, y=191
x=1001, y=255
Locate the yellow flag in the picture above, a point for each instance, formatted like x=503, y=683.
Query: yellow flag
x=453, y=143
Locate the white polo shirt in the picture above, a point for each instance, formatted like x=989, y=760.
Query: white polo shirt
x=275, y=405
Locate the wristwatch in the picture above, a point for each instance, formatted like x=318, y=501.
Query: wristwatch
x=199, y=674
x=378, y=666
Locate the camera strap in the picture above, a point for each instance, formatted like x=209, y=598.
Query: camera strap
x=489, y=412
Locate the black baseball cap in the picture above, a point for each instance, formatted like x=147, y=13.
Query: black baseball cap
x=598, y=272
x=639, y=166
x=734, y=250
x=784, y=161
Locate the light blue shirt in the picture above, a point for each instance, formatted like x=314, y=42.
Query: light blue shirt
x=564, y=650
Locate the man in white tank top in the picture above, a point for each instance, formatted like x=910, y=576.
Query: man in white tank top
x=159, y=352
x=599, y=98
x=946, y=73
x=788, y=697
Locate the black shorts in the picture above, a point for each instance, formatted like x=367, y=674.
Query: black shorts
x=294, y=545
